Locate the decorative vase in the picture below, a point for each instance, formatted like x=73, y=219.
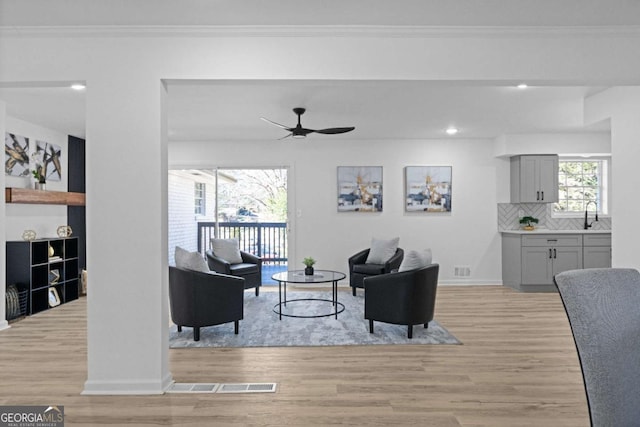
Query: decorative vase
x=29, y=235
x=64, y=231
x=308, y=271
x=41, y=186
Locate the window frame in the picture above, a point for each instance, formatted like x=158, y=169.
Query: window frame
x=604, y=184
x=200, y=209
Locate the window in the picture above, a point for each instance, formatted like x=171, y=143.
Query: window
x=199, y=198
x=581, y=181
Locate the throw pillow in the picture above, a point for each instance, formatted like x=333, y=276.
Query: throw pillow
x=190, y=260
x=227, y=249
x=382, y=250
x=414, y=260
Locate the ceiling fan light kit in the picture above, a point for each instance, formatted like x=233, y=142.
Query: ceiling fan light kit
x=299, y=132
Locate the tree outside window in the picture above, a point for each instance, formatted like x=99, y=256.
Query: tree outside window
x=581, y=182
x=253, y=195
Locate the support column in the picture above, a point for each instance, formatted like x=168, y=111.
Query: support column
x=622, y=106
x=126, y=185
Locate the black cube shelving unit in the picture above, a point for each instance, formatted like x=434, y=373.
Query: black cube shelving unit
x=42, y=264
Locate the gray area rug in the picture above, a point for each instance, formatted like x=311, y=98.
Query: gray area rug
x=261, y=327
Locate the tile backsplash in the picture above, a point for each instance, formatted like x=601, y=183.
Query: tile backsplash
x=509, y=215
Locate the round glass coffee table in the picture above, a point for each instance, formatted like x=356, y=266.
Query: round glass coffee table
x=298, y=276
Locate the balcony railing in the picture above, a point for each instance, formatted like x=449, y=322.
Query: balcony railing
x=267, y=240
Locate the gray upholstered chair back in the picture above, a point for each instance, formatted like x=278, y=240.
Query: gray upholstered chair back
x=603, y=307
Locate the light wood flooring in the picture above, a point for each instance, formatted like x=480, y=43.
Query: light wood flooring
x=517, y=367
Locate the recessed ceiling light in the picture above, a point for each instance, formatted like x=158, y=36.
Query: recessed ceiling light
x=78, y=86
x=522, y=86
x=451, y=130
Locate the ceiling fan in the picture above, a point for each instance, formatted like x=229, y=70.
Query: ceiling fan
x=300, y=132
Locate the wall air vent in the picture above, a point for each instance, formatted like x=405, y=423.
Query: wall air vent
x=462, y=271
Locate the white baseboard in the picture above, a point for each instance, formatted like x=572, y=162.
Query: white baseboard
x=4, y=325
x=469, y=282
x=127, y=387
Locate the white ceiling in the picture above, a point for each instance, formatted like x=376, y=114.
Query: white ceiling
x=231, y=110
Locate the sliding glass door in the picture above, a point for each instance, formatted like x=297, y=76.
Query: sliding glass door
x=248, y=204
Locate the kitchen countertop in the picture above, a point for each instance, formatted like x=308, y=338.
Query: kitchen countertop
x=547, y=231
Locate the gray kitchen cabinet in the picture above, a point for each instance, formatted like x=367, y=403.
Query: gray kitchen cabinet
x=537, y=266
x=534, y=179
x=597, y=251
x=529, y=262
x=544, y=256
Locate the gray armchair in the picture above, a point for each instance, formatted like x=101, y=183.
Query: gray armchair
x=404, y=298
x=250, y=269
x=602, y=307
x=359, y=269
x=199, y=299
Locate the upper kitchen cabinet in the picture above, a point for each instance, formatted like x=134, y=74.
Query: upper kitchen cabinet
x=534, y=179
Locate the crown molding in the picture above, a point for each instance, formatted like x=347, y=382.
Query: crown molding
x=317, y=31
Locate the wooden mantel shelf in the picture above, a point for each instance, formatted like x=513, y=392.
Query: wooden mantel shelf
x=30, y=196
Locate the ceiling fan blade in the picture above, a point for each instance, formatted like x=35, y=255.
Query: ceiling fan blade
x=276, y=124
x=286, y=136
x=299, y=132
x=335, y=130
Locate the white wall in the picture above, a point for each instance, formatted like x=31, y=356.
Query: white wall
x=466, y=236
x=43, y=219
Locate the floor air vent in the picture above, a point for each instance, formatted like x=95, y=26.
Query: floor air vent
x=247, y=388
x=222, y=388
x=193, y=388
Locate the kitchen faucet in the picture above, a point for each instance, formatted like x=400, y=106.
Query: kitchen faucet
x=586, y=222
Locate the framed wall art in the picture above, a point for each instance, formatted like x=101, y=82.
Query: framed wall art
x=16, y=154
x=48, y=156
x=359, y=188
x=428, y=188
